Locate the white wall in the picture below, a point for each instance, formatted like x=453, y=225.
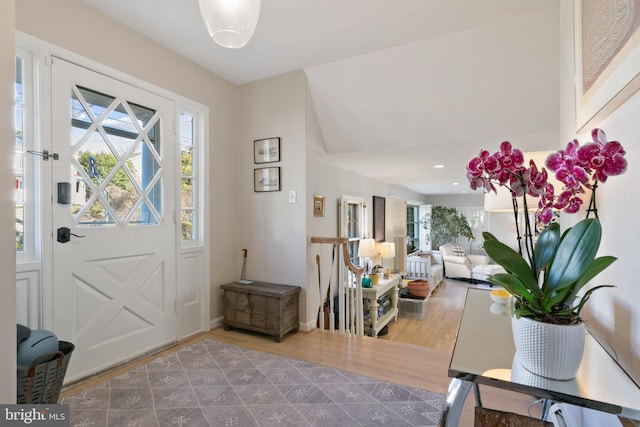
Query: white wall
x=72, y=25
x=276, y=232
x=272, y=229
x=7, y=204
x=615, y=313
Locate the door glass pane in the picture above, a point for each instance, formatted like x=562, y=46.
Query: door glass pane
x=117, y=157
x=187, y=171
x=187, y=224
x=353, y=224
x=19, y=155
x=143, y=215
x=94, y=214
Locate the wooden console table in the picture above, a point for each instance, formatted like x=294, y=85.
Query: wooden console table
x=267, y=308
x=384, y=286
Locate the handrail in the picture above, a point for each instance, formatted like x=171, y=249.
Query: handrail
x=345, y=251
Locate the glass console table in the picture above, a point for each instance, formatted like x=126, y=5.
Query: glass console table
x=484, y=354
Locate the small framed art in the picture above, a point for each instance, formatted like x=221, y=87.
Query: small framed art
x=318, y=205
x=266, y=150
x=266, y=179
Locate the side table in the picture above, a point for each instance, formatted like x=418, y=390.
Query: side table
x=384, y=286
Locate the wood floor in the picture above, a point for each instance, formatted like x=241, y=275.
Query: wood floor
x=414, y=353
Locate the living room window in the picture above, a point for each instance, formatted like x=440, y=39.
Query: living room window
x=353, y=224
x=413, y=228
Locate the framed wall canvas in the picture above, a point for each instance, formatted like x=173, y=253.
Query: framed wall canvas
x=378, y=218
x=266, y=150
x=318, y=205
x=266, y=179
x=607, y=57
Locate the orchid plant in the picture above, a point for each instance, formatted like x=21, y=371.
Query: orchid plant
x=546, y=284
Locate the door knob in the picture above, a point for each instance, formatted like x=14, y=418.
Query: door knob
x=64, y=234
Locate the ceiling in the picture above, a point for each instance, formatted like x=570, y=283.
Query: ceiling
x=398, y=86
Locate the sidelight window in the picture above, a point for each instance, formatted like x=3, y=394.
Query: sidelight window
x=25, y=174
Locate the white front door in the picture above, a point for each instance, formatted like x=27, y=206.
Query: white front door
x=114, y=281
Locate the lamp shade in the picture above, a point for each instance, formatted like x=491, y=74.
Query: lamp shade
x=367, y=248
x=230, y=23
x=501, y=201
x=387, y=250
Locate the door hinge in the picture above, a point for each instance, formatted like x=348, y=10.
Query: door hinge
x=44, y=154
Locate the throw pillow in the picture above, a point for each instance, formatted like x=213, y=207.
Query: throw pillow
x=457, y=250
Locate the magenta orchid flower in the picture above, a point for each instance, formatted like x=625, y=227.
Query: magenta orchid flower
x=604, y=158
x=568, y=167
x=576, y=167
x=510, y=161
x=481, y=167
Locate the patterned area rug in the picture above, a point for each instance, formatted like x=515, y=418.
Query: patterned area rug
x=222, y=385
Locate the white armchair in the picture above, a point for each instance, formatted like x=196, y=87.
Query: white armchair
x=458, y=264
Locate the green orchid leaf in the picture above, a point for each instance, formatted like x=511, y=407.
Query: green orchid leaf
x=575, y=253
x=513, y=263
x=586, y=297
x=488, y=236
x=598, y=265
x=556, y=298
x=513, y=285
x=546, y=247
x=524, y=312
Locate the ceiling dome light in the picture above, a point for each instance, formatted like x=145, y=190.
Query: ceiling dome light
x=230, y=23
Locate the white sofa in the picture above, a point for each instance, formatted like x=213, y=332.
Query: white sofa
x=426, y=266
x=460, y=265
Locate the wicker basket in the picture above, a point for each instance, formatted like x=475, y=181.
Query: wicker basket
x=41, y=383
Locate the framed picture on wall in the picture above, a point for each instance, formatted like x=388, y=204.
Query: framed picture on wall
x=318, y=205
x=266, y=179
x=266, y=150
x=378, y=218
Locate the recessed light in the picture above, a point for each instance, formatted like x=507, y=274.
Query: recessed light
x=456, y=183
x=438, y=166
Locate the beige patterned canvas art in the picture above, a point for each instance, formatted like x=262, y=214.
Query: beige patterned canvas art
x=607, y=26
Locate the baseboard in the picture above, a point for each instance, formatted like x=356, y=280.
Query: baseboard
x=303, y=326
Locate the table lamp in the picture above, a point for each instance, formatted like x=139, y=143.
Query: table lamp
x=387, y=251
x=367, y=250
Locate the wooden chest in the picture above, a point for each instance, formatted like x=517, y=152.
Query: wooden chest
x=262, y=307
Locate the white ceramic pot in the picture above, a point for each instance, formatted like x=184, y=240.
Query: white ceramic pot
x=551, y=351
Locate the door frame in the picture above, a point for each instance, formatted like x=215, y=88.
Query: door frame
x=42, y=266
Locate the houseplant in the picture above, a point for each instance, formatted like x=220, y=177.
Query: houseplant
x=444, y=225
x=545, y=281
